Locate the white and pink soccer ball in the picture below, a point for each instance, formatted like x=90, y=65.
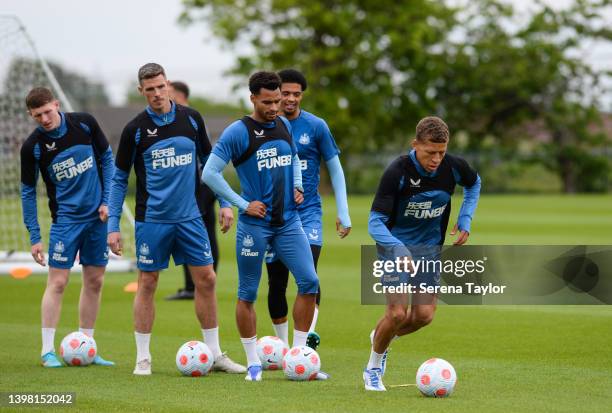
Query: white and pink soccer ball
x=194, y=359
x=78, y=349
x=271, y=350
x=301, y=363
x=436, y=378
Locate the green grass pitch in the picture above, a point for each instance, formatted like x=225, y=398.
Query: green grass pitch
x=508, y=359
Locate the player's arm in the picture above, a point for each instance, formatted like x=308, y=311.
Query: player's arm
x=298, y=186
x=329, y=151
x=105, y=153
x=123, y=164
x=29, y=177
x=229, y=147
x=382, y=209
x=204, y=148
x=470, y=180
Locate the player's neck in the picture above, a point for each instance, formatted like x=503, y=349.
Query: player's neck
x=258, y=118
x=293, y=115
x=166, y=108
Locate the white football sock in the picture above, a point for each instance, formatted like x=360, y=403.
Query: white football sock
x=211, y=338
x=375, y=360
x=313, y=325
x=142, y=346
x=282, y=331
x=299, y=338
x=87, y=331
x=48, y=336
x=250, y=348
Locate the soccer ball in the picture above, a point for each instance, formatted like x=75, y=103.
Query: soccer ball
x=301, y=363
x=194, y=358
x=436, y=378
x=271, y=351
x=78, y=349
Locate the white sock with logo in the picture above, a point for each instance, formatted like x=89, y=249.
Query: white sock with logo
x=375, y=361
x=299, y=338
x=142, y=346
x=211, y=338
x=250, y=348
x=87, y=331
x=314, y=319
x=282, y=331
x=48, y=337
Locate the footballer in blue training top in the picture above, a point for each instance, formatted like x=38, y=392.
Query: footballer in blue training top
x=265, y=157
x=314, y=142
x=164, y=144
x=72, y=154
x=409, y=216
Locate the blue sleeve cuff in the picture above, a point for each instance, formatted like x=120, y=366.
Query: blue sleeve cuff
x=116, y=198
x=114, y=224
x=30, y=213
x=468, y=207
x=297, y=173
x=108, y=170
x=336, y=175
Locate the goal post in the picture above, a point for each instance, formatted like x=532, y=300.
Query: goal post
x=21, y=69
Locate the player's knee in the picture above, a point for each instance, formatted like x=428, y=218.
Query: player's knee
x=423, y=318
x=147, y=284
x=308, y=285
x=396, y=315
x=94, y=285
x=205, y=279
x=58, y=285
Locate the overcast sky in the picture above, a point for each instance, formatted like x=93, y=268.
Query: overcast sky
x=110, y=40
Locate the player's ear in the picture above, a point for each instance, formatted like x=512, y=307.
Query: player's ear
x=56, y=104
x=140, y=90
x=414, y=143
x=253, y=97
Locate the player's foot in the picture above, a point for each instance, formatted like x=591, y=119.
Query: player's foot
x=383, y=365
x=50, y=360
x=143, y=368
x=181, y=294
x=226, y=364
x=99, y=361
x=254, y=373
x=313, y=340
x=373, y=380
x=322, y=376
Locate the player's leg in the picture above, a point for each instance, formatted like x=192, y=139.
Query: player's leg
x=251, y=242
x=278, y=277
x=51, y=309
x=94, y=257
x=291, y=244
x=420, y=314
x=314, y=339
x=396, y=313
x=192, y=247
x=153, y=245
x=63, y=244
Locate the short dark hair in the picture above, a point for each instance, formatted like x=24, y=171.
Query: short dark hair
x=263, y=80
x=432, y=129
x=39, y=96
x=293, y=76
x=149, y=71
x=181, y=87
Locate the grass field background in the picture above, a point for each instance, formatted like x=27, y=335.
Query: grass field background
x=508, y=358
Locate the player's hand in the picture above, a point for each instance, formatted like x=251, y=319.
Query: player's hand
x=462, y=238
x=114, y=242
x=298, y=196
x=37, y=253
x=226, y=219
x=256, y=209
x=103, y=212
x=341, y=229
